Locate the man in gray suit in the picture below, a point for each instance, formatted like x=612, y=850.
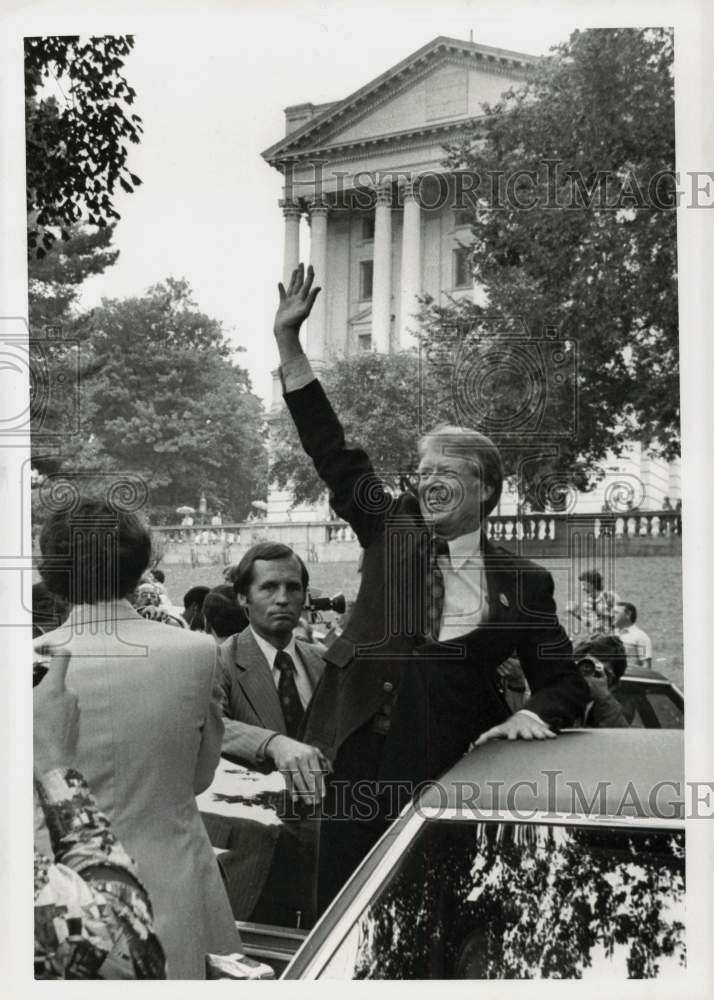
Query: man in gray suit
x=268, y=679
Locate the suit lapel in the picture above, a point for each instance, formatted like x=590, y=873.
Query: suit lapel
x=256, y=682
x=501, y=585
x=312, y=661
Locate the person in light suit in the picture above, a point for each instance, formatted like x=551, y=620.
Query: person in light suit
x=268, y=681
x=151, y=727
x=414, y=678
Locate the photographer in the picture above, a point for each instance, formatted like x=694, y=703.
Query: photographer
x=601, y=661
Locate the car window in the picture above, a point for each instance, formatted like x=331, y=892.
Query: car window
x=518, y=901
x=668, y=712
x=650, y=706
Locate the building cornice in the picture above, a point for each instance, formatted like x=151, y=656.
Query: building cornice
x=342, y=114
x=392, y=141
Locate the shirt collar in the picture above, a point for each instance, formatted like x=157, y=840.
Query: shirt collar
x=102, y=611
x=465, y=546
x=270, y=652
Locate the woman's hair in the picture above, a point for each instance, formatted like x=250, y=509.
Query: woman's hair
x=93, y=552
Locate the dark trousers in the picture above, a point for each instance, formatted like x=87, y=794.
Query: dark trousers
x=288, y=898
x=356, y=812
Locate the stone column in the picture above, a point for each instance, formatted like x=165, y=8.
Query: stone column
x=291, y=247
x=411, y=264
x=317, y=323
x=382, y=272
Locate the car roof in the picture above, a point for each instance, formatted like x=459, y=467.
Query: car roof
x=644, y=673
x=623, y=773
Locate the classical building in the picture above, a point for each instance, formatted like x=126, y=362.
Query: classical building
x=385, y=218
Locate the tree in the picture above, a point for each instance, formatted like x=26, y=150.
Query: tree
x=55, y=279
x=165, y=400
x=380, y=400
x=574, y=232
x=57, y=329
x=76, y=150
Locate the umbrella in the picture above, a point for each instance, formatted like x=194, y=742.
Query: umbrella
x=259, y=504
x=185, y=510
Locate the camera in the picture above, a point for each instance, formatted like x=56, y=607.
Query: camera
x=314, y=605
x=496, y=375
x=590, y=667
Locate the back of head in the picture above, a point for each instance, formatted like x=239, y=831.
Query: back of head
x=93, y=552
x=196, y=595
x=222, y=612
x=269, y=551
x=605, y=647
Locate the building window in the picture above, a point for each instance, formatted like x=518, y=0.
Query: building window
x=463, y=275
x=364, y=342
x=463, y=217
x=366, y=270
x=367, y=228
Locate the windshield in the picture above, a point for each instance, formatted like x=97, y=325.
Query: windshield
x=486, y=900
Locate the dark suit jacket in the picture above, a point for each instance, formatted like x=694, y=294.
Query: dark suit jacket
x=441, y=696
x=251, y=707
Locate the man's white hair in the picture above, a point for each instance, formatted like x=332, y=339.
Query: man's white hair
x=472, y=446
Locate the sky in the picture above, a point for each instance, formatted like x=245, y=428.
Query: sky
x=211, y=93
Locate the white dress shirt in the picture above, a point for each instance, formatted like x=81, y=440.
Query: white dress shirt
x=302, y=678
x=465, y=591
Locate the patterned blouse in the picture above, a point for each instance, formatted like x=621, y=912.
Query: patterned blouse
x=93, y=917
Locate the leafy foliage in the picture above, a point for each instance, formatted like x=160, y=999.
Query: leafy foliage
x=55, y=279
x=57, y=329
x=166, y=400
x=378, y=400
x=148, y=386
x=76, y=150
x=574, y=230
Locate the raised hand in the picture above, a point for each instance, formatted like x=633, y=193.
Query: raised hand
x=55, y=714
x=296, y=303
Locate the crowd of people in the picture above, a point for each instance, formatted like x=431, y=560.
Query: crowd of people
x=451, y=642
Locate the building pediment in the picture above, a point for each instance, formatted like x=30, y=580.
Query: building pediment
x=443, y=84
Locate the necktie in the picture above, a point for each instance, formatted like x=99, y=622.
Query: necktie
x=288, y=693
x=435, y=589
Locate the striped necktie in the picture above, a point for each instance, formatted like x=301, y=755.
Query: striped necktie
x=288, y=693
x=435, y=590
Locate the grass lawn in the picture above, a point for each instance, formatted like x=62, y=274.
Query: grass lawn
x=652, y=583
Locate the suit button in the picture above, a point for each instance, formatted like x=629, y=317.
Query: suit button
x=388, y=687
